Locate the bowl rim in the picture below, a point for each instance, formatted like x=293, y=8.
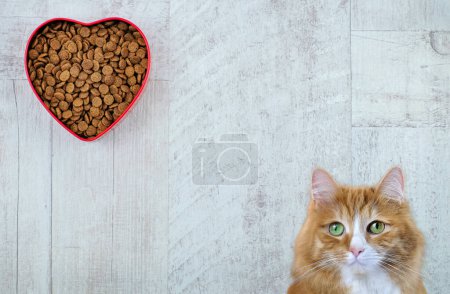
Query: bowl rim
x=137, y=96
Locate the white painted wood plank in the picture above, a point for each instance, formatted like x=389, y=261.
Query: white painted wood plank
x=400, y=15
x=400, y=79
x=278, y=72
x=424, y=155
x=140, y=207
x=82, y=213
x=57, y=8
x=34, y=221
x=9, y=184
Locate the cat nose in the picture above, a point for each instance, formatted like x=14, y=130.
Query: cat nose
x=356, y=250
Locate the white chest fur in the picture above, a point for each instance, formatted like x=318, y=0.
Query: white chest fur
x=376, y=282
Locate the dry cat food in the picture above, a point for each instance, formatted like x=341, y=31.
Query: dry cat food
x=87, y=75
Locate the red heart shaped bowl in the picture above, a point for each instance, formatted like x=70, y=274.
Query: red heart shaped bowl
x=118, y=117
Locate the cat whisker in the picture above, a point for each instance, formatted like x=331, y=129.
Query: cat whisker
x=393, y=258
x=399, y=263
x=314, y=270
x=317, y=264
x=323, y=260
x=325, y=264
x=311, y=264
x=400, y=266
x=397, y=272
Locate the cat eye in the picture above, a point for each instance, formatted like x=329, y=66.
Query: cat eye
x=336, y=229
x=375, y=227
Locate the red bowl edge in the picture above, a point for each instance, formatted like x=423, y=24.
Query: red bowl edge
x=144, y=81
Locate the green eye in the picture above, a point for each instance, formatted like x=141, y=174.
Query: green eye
x=336, y=229
x=375, y=227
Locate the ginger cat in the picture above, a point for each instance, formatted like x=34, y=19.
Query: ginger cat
x=358, y=240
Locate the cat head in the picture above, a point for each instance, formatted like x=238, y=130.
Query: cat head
x=362, y=229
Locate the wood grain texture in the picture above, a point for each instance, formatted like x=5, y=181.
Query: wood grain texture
x=34, y=205
x=82, y=213
x=58, y=8
x=399, y=79
x=9, y=186
x=13, y=37
x=424, y=154
x=140, y=203
x=401, y=15
x=278, y=72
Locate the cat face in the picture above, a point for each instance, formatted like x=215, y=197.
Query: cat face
x=362, y=230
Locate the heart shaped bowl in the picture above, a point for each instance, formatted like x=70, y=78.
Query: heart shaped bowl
x=137, y=95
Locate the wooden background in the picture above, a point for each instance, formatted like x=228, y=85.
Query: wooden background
x=355, y=86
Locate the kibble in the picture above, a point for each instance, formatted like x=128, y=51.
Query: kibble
x=87, y=76
x=64, y=76
x=108, y=99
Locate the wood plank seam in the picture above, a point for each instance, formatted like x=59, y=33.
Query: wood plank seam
x=351, y=87
x=18, y=190
x=112, y=210
x=50, y=286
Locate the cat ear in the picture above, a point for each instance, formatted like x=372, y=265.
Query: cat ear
x=392, y=184
x=323, y=187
